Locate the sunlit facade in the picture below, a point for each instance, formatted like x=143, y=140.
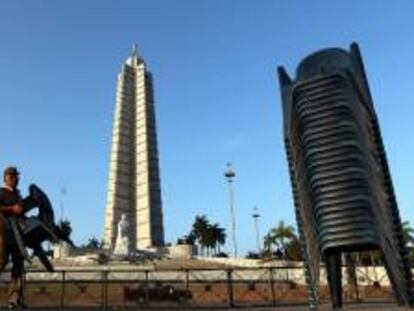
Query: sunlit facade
x=134, y=178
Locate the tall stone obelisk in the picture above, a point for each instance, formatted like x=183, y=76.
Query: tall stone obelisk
x=134, y=182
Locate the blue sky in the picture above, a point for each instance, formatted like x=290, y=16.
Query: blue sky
x=217, y=98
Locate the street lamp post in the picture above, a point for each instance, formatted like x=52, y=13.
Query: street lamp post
x=229, y=174
x=256, y=217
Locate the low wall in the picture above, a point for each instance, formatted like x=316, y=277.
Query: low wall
x=181, y=251
x=256, y=263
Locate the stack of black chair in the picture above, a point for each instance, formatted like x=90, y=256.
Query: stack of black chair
x=343, y=194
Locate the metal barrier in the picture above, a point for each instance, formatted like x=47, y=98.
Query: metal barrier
x=188, y=288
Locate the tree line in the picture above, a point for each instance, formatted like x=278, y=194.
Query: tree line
x=209, y=237
x=280, y=242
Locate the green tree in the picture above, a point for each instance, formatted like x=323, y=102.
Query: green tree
x=252, y=255
x=93, y=243
x=293, y=249
x=208, y=236
x=199, y=231
x=281, y=235
x=268, y=242
x=65, y=226
x=210, y=239
x=221, y=238
x=217, y=237
x=284, y=239
x=190, y=239
x=408, y=232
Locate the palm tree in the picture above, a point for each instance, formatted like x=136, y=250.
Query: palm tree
x=65, y=226
x=199, y=231
x=268, y=241
x=282, y=237
x=210, y=238
x=408, y=232
x=282, y=234
x=216, y=236
x=190, y=238
x=293, y=249
x=93, y=243
x=221, y=237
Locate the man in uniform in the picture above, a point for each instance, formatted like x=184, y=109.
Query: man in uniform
x=10, y=208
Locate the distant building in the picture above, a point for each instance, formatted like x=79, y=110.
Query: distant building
x=342, y=188
x=134, y=178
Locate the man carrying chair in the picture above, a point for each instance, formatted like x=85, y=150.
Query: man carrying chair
x=19, y=231
x=10, y=208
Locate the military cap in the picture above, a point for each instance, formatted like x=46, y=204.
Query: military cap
x=11, y=170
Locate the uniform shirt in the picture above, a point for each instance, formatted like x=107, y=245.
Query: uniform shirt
x=9, y=198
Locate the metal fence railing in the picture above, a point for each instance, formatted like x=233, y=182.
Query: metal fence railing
x=180, y=288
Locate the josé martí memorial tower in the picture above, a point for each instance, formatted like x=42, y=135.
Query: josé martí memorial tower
x=134, y=179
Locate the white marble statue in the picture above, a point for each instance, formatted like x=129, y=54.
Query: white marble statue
x=122, y=241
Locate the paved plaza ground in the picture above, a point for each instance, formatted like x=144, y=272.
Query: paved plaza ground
x=354, y=307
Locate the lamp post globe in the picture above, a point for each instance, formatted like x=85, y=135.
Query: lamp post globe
x=256, y=217
x=229, y=174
